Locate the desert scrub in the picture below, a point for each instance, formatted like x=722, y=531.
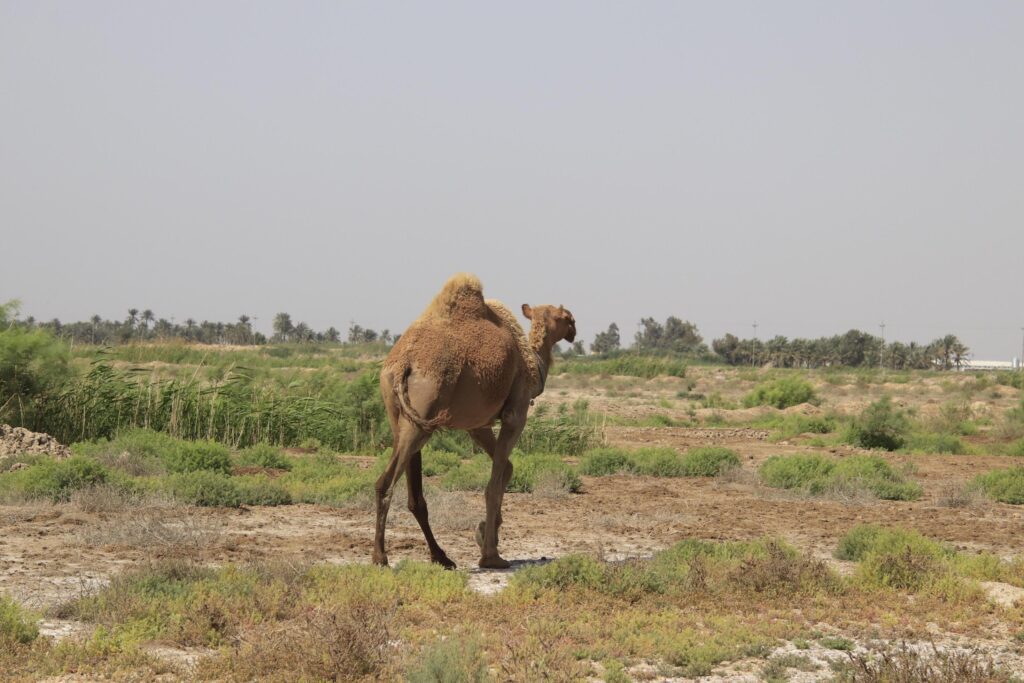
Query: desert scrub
x=817, y=475
x=790, y=426
x=261, y=490
x=530, y=471
x=263, y=455
x=17, y=625
x=766, y=566
x=143, y=451
x=324, y=480
x=659, y=462
x=1005, y=486
x=781, y=393
x=568, y=432
x=880, y=425
x=53, y=480
x=903, y=558
x=936, y=443
x=204, y=488
x=628, y=364
x=455, y=659
x=437, y=462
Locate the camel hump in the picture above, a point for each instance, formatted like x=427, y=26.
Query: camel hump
x=461, y=297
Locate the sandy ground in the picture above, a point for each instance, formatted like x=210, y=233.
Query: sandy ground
x=49, y=553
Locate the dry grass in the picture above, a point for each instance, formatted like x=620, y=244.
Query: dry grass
x=960, y=495
x=331, y=642
x=921, y=664
x=184, y=529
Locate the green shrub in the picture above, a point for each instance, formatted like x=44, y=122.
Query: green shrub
x=599, y=462
x=570, y=432
x=1016, y=448
x=794, y=471
x=457, y=659
x=881, y=425
x=528, y=471
x=437, y=462
x=656, y=462
x=54, y=480
x=937, y=443
x=32, y=363
x=205, y=488
x=817, y=475
x=1005, y=486
x=565, y=573
x=709, y=461
x=864, y=539
x=470, y=475
x=261, y=490
x=16, y=624
x=263, y=455
x=781, y=393
x=193, y=456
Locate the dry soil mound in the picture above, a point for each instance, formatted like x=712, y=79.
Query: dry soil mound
x=18, y=441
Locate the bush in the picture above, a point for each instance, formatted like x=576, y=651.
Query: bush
x=817, y=475
x=880, y=426
x=528, y=471
x=568, y=433
x=205, y=488
x=54, y=480
x=193, y=456
x=781, y=393
x=937, y=443
x=16, y=624
x=794, y=471
x=1005, y=486
x=263, y=455
x=709, y=461
x=599, y=462
x=656, y=462
x=261, y=490
x=32, y=363
x=864, y=539
x=437, y=462
x=143, y=451
x=456, y=659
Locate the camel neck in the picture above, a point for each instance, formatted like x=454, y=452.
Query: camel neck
x=540, y=344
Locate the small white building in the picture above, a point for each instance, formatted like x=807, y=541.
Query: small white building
x=975, y=364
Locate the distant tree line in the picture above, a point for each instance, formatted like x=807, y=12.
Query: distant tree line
x=853, y=349
x=145, y=326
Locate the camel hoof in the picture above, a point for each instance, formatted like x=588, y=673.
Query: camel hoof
x=443, y=561
x=494, y=563
x=380, y=560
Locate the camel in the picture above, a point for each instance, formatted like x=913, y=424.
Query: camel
x=463, y=364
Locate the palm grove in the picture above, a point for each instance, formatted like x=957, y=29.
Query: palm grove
x=675, y=336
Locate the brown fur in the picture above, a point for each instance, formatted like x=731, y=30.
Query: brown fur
x=464, y=364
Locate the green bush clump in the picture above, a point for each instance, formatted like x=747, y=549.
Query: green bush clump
x=709, y=461
x=143, y=451
x=656, y=462
x=881, y=425
x=471, y=475
x=864, y=539
x=453, y=660
x=937, y=443
x=1005, y=486
x=531, y=470
x=205, y=488
x=264, y=455
x=324, y=480
x=16, y=624
x=261, y=490
x=193, y=456
x=1016, y=448
x=53, y=480
x=817, y=475
x=599, y=462
x=659, y=462
x=781, y=393
x=437, y=462
x=569, y=432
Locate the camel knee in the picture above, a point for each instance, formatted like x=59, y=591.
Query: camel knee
x=417, y=506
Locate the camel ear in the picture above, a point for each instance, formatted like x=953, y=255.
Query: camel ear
x=527, y=311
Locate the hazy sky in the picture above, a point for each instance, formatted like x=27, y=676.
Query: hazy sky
x=815, y=166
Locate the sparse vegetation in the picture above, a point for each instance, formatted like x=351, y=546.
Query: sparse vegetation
x=1005, y=486
x=820, y=476
x=781, y=393
x=881, y=425
x=659, y=462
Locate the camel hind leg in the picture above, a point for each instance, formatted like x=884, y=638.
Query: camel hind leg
x=409, y=439
x=418, y=507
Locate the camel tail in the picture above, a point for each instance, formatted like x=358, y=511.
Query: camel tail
x=402, y=391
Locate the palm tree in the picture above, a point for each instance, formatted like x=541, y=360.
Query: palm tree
x=282, y=326
x=190, y=325
x=95, y=320
x=147, y=318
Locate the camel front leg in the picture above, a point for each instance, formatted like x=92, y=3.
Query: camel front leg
x=512, y=423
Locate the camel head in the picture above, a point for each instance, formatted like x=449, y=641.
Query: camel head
x=557, y=321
